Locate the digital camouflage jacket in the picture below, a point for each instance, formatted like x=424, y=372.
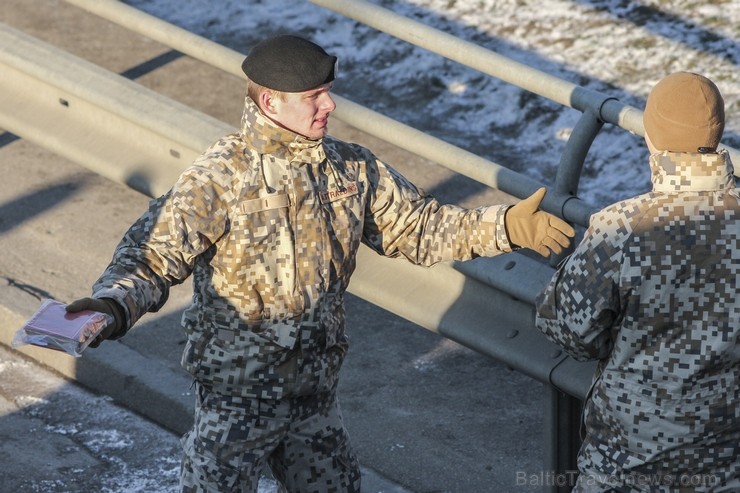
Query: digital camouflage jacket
x=269, y=223
x=652, y=292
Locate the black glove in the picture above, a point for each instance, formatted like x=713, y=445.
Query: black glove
x=103, y=305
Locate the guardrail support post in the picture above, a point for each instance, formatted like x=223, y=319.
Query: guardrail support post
x=562, y=434
x=574, y=154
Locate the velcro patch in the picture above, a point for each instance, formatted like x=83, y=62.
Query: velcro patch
x=265, y=203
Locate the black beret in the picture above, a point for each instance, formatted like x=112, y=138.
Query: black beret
x=289, y=64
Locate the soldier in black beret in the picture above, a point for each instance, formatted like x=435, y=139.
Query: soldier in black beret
x=269, y=221
x=279, y=70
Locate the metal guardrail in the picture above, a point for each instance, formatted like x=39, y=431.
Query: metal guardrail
x=61, y=102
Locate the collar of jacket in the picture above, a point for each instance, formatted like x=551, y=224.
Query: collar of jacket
x=688, y=171
x=265, y=137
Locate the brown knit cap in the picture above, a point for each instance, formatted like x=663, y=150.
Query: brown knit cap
x=685, y=112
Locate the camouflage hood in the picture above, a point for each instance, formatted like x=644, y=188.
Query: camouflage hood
x=266, y=137
x=677, y=171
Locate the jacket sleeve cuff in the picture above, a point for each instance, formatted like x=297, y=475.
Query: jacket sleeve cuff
x=119, y=304
x=495, y=216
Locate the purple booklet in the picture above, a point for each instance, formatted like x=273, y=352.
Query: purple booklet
x=51, y=326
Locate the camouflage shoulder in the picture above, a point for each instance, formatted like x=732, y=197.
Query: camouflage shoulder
x=230, y=155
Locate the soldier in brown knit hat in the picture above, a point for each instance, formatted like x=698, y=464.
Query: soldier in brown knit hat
x=685, y=112
x=651, y=293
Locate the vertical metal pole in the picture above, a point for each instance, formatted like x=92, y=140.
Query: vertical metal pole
x=562, y=432
x=574, y=154
x=571, y=165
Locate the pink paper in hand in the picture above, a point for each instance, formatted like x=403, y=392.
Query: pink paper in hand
x=51, y=326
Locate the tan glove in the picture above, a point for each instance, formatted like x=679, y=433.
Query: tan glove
x=529, y=227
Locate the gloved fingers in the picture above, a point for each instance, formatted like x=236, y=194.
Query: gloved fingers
x=562, y=226
x=558, y=236
x=106, y=333
x=82, y=304
x=97, y=305
x=101, y=337
x=549, y=244
x=542, y=249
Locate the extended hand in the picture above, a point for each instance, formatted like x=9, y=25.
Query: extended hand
x=529, y=227
x=103, y=305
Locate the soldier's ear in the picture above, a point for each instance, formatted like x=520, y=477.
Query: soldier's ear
x=269, y=101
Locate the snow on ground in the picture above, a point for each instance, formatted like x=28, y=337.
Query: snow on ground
x=616, y=47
